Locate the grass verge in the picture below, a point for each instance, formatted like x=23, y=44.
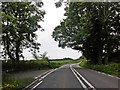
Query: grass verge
x=111, y=68
x=11, y=83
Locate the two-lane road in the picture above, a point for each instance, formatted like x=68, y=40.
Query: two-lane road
x=66, y=78
x=61, y=78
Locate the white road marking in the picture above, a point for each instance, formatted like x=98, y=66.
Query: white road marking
x=90, y=85
x=83, y=85
x=42, y=74
x=43, y=78
x=29, y=85
x=105, y=74
x=84, y=79
x=36, y=85
x=46, y=74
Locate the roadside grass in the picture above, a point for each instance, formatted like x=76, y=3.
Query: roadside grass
x=111, y=68
x=11, y=83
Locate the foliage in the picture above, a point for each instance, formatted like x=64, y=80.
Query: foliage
x=91, y=28
x=40, y=56
x=111, y=68
x=11, y=66
x=58, y=63
x=35, y=56
x=19, y=24
x=11, y=83
x=44, y=56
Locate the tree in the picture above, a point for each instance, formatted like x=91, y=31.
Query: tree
x=44, y=56
x=88, y=28
x=19, y=24
x=36, y=56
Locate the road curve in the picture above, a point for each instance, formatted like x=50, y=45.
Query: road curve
x=69, y=77
x=98, y=80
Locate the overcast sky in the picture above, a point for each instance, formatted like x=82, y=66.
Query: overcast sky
x=52, y=18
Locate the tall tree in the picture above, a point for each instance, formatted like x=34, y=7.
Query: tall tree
x=19, y=24
x=88, y=28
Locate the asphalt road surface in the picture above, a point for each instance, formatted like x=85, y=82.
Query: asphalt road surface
x=73, y=77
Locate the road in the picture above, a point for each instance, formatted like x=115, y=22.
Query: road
x=71, y=76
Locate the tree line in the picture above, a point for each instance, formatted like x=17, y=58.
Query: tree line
x=91, y=27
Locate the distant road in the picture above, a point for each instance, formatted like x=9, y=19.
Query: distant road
x=71, y=76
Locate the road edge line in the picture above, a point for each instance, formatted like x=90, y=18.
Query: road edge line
x=100, y=72
x=38, y=79
x=104, y=73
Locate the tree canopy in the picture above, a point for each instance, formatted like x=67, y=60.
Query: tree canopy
x=19, y=24
x=91, y=27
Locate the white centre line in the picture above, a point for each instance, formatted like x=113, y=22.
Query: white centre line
x=36, y=85
x=83, y=85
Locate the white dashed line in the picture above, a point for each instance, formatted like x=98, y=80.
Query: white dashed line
x=105, y=74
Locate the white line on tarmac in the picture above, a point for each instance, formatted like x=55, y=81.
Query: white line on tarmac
x=29, y=85
x=36, y=85
x=43, y=78
x=40, y=78
x=105, y=74
x=91, y=86
x=42, y=74
x=83, y=85
x=48, y=74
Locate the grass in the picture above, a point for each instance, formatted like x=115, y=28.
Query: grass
x=11, y=83
x=111, y=68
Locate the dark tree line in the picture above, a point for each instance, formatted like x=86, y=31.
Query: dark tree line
x=91, y=27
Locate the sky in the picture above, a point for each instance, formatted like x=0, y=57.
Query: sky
x=52, y=18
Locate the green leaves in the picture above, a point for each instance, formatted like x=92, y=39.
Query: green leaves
x=88, y=28
x=19, y=24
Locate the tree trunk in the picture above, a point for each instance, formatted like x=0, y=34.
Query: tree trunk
x=8, y=52
x=17, y=55
x=100, y=58
x=106, y=58
x=17, y=52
